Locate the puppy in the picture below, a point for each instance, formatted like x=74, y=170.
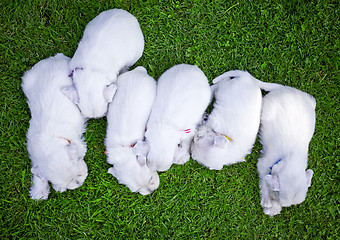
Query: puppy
x=287, y=126
x=229, y=133
x=112, y=41
x=54, y=138
x=183, y=94
x=127, y=117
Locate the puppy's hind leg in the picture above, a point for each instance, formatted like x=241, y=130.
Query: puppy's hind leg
x=39, y=188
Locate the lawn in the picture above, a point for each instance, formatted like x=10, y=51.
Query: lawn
x=295, y=43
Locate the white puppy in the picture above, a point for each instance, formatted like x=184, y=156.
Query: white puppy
x=287, y=126
x=54, y=138
x=183, y=94
x=229, y=133
x=112, y=41
x=127, y=117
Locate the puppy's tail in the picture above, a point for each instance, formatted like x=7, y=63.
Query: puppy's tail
x=267, y=86
x=238, y=74
x=230, y=75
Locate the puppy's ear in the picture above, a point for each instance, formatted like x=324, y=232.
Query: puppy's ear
x=141, y=148
x=71, y=93
x=72, y=151
x=109, y=92
x=220, y=141
x=309, y=175
x=272, y=182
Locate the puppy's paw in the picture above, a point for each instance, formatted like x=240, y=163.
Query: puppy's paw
x=39, y=188
x=59, y=188
x=266, y=203
x=273, y=210
x=39, y=193
x=183, y=159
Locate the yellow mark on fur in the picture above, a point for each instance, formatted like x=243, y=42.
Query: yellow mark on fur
x=228, y=138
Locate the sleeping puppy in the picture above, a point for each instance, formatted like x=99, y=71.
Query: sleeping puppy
x=183, y=94
x=287, y=126
x=127, y=117
x=54, y=138
x=229, y=133
x=112, y=42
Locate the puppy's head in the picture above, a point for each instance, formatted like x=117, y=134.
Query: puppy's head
x=209, y=148
x=288, y=187
x=163, y=141
x=92, y=92
x=62, y=164
x=131, y=170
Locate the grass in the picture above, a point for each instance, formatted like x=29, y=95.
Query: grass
x=295, y=43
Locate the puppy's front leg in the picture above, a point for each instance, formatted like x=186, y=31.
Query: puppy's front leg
x=39, y=188
x=265, y=198
x=270, y=206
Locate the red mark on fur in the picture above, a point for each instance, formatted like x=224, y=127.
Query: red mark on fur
x=187, y=130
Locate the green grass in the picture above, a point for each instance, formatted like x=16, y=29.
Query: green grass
x=295, y=43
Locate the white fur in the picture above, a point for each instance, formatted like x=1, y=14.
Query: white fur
x=287, y=126
x=127, y=117
x=54, y=138
x=112, y=41
x=183, y=94
x=229, y=133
